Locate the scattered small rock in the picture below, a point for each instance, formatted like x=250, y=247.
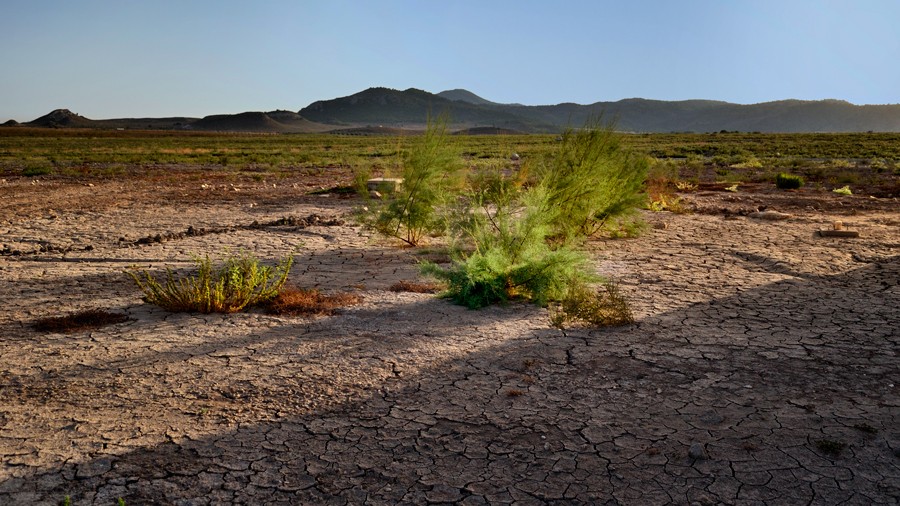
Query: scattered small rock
x=769, y=215
x=697, y=452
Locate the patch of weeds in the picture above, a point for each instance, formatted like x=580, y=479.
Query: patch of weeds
x=733, y=188
x=361, y=176
x=864, y=427
x=310, y=302
x=787, y=181
x=843, y=191
x=665, y=203
x=661, y=196
x=845, y=177
x=751, y=163
x=85, y=320
x=830, y=447
x=239, y=282
x=37, y=170
x=629, y=228
x=601, y=308
x=336, y=190
x=685, y=186
x=414, y=287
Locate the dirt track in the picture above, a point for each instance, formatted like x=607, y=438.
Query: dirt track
x=762, y=368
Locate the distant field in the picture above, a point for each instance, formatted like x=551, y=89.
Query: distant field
x=731, y=157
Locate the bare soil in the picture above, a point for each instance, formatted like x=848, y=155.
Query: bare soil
x=762, y=368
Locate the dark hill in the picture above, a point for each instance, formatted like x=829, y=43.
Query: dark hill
x=409, y=109
x=378, y=110
x=384, y=106
x=243, y=122
x=257, y=122
x=62, y=118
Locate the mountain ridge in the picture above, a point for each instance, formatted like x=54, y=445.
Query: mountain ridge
x=381, y=109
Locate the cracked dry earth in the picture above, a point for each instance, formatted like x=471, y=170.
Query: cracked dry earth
x=762, y=368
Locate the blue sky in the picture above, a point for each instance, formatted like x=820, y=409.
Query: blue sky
x=156, y=58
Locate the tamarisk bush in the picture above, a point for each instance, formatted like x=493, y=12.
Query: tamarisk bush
x=516, y=233
x=430, y=177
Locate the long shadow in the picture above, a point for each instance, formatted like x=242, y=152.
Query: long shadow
x=781, y=394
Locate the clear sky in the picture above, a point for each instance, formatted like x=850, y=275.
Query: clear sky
x=155, y=58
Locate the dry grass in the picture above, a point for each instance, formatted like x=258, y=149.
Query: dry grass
x=85, y=320
x=310, y=302
x=602, y=308
x=412, y=286
x=240, y=281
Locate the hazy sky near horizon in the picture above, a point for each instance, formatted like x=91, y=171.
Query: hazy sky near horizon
x=156, y=58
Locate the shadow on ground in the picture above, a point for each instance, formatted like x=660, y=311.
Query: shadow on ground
x=781, y=394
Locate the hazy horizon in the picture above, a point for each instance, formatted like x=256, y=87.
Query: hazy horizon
x=105, y=59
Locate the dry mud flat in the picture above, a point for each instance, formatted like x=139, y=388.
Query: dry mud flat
x=762, y=368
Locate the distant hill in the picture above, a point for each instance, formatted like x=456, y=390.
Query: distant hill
x=410, y=108
x=383, y=111
x=252, y=122
x=384, y=106
x=257, y=122
x=62, y=118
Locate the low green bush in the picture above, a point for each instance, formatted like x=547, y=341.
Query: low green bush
x=238, y=282
x=503, y=253
x=787, y=181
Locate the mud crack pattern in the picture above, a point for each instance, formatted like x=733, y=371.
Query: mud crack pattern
x=762, y=370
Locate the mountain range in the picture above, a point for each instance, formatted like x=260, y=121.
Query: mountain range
x=385, y=110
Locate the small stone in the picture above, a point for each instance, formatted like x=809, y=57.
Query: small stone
x=769, y=215
x=697, y=452
x=712, y=418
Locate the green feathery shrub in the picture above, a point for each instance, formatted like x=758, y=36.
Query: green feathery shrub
x=430, y=175
x=240, y=281
x=517, y=236
x=502, y=252
x=593, y=180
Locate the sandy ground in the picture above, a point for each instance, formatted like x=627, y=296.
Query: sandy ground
x=762, y=368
